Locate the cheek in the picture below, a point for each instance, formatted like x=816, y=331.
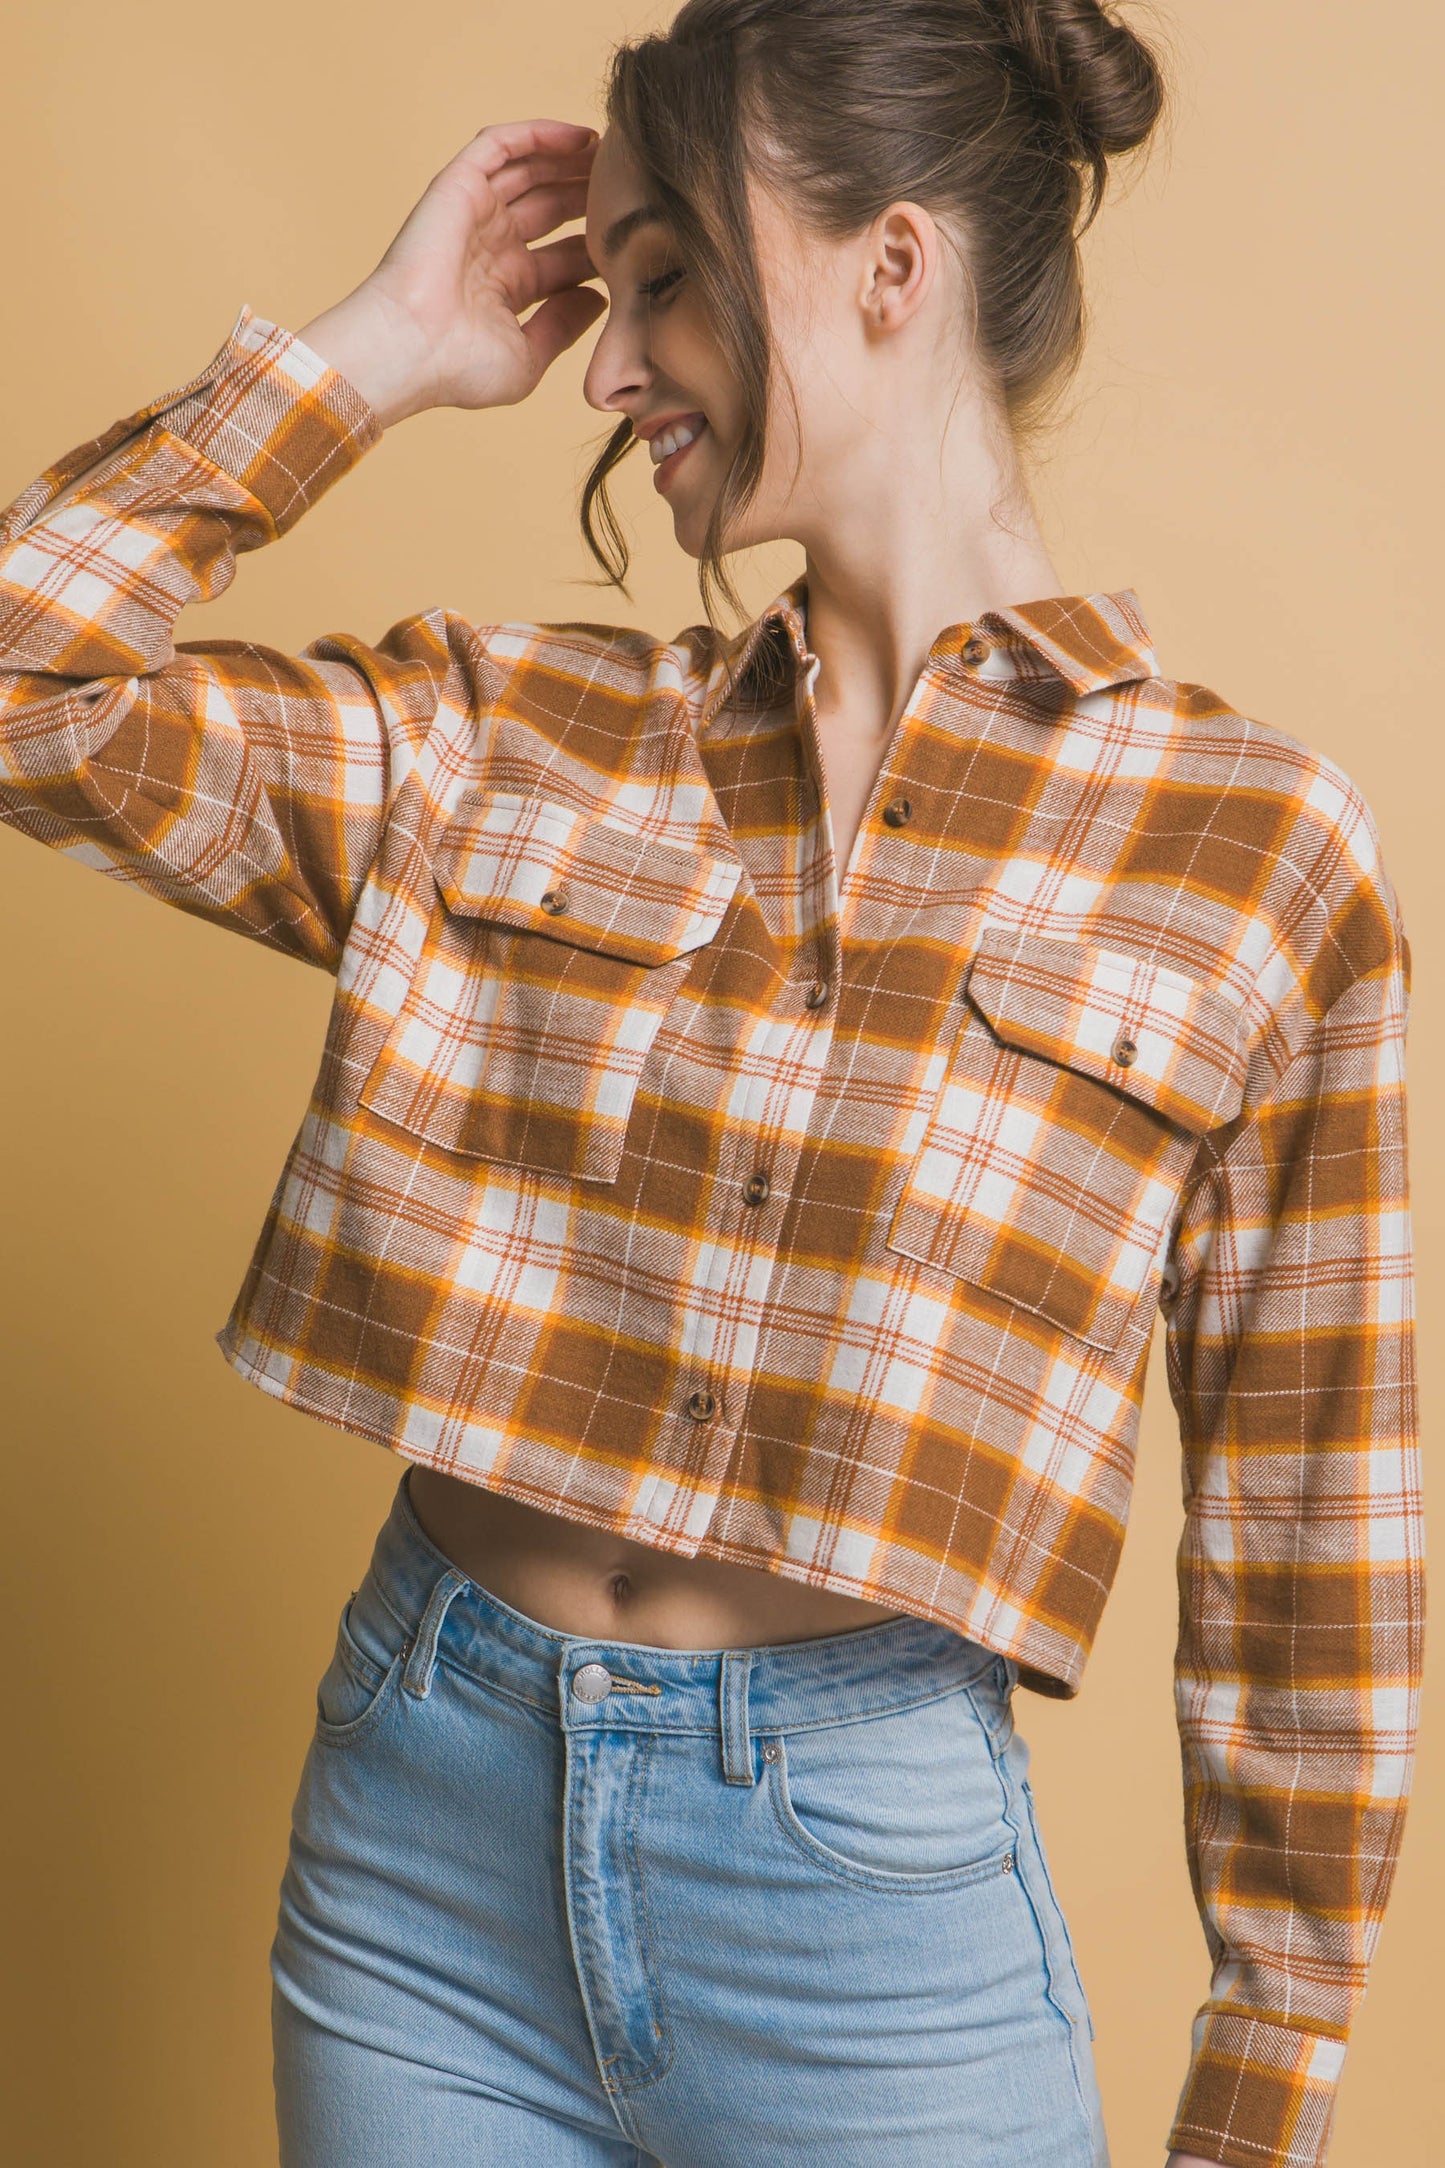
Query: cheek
x=686, y=353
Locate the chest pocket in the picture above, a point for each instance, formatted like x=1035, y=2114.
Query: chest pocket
x=1076, y=1092
x=560, y=941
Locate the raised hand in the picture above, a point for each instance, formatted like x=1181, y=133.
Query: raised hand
x=437, y=323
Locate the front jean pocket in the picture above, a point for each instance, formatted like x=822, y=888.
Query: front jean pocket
x=1077, y=1089
x=559, y=941
x=366, y=1664
x=907, y=1800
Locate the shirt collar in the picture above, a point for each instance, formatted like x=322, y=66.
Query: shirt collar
x=1090, y=641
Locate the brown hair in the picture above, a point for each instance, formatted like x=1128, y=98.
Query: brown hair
x=990, y=113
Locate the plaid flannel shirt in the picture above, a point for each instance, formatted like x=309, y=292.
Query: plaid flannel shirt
x=659, y=1175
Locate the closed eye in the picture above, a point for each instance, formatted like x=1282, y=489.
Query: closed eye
x=653, y=288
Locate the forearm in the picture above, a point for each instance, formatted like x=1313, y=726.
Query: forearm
x=1298, y=1663
x=99, y=556
x=234, y=781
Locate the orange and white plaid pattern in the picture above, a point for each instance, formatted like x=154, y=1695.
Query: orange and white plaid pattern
x=660, y=1175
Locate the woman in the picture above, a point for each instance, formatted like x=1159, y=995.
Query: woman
x=773, y=1082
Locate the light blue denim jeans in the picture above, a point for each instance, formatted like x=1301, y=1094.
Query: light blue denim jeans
x=555, y=1902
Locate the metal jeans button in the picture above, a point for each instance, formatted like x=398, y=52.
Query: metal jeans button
x=592, y=1683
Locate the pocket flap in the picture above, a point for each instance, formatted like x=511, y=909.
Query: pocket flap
x=1152, y=1032
x=619, y=891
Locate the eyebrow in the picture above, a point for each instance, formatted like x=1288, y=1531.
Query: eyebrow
x=622, y=229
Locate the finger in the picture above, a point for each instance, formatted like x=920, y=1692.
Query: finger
x=540, y=209
x=492, y=147
x=520, y=174
x=560, y=323
x=557, y=264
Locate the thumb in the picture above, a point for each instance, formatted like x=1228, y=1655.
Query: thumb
x=560, y=323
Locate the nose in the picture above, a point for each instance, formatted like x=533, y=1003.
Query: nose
x=618, y=372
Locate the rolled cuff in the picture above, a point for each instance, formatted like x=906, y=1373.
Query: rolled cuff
x=274, y=416
x=1258, y=2095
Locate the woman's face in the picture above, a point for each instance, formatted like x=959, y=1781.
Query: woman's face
x=657, y=362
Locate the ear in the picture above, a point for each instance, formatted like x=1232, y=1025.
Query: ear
x=900, y=260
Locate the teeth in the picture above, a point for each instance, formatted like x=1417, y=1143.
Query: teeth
x=672, y=440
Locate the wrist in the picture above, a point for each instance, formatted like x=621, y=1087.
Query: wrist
x=380, y=352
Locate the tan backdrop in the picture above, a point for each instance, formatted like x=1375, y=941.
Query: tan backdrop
x=1254, y=445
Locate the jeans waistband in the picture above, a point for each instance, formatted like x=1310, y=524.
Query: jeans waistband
x=635, y=1685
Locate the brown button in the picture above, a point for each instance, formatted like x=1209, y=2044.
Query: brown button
x=555, y=900
x=816, y=995
x=1124, y=1052
x=897, y=814
x=702, y=1407
x=975, y=650
x=755, y=1189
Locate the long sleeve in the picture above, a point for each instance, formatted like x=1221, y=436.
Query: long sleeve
x=1300, y=1566
x=248, y=786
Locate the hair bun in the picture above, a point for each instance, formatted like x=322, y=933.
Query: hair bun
x=1103, y=83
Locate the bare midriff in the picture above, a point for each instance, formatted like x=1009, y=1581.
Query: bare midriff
x=583, y=1580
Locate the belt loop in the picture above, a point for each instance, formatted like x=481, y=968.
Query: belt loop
x=417, y=1676
x=737, y=1745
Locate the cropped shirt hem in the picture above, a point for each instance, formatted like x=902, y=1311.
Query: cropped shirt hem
x=1054, y=1684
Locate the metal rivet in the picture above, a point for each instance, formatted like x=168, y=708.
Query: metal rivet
x=1008, y=1865
x=770, y=1752
x=592, y=1683
x=899, y=813
x=816, y=995
x=555, y=900
x=702, y=1406
x=1124, y=1051
x=756, y=1188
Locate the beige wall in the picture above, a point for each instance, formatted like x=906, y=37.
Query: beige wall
x=1254, y=446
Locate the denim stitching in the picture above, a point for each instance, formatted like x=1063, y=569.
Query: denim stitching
x=1068, y=1939
x=662, y=2059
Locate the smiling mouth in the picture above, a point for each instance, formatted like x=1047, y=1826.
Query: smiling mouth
x=670, y=447
x=676, y=437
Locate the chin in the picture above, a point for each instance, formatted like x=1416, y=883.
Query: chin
x=688, y=529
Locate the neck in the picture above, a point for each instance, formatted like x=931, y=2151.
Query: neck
x=913, y=546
